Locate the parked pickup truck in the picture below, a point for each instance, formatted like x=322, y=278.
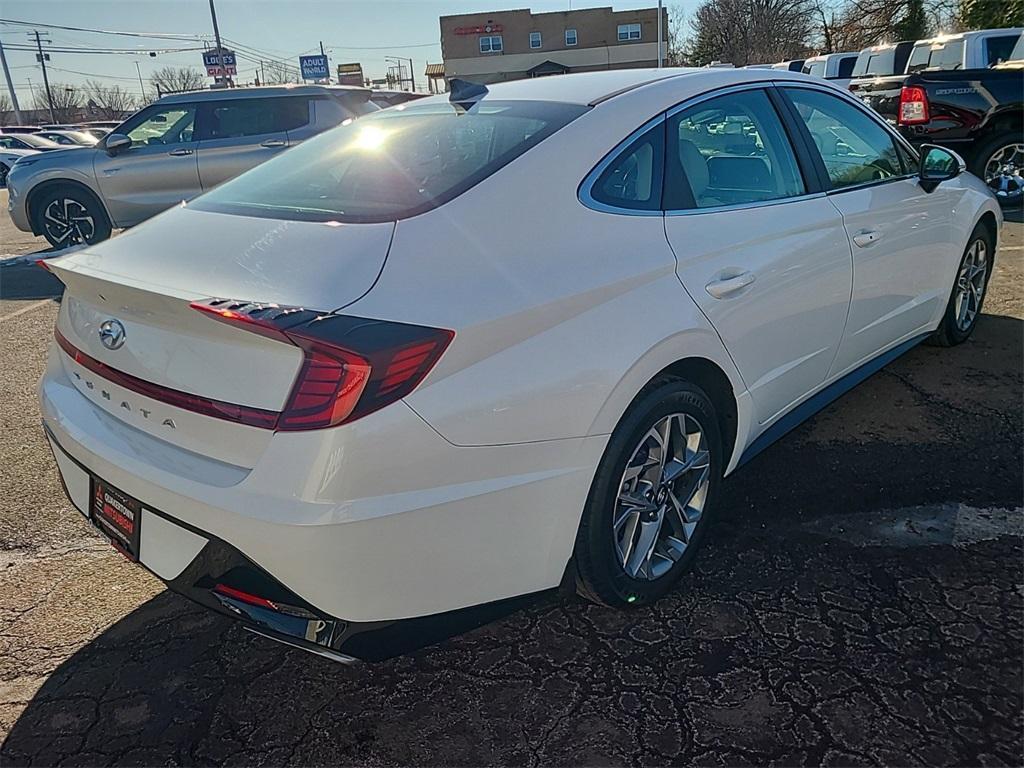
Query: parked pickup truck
x=973, y=111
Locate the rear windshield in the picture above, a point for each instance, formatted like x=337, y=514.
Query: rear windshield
x=948, y=55
x=875, y=63
x=391, y=164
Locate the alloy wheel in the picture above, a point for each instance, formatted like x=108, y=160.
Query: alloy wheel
x=661, y=496
x=1004, y=171
x=970, y=284
x=68, y=222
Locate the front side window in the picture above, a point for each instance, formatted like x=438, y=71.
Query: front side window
x=170, y=124
x=629, y=32
x=535, y=39
x=855, y=149
x=570, y=37
x=633, y=179
x=730, y=150
x=391, y=164
x=491, y=44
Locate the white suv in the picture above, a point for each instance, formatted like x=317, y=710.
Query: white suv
x=168, y=152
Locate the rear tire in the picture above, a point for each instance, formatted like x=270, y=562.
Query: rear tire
x=999, y=162
x=67, y=215
x=646, y=516
x=968, y=293
x=4, y=170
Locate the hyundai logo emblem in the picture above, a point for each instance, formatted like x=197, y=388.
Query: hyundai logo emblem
x=112, y=334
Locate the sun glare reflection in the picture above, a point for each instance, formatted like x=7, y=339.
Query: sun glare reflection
x=370, y=138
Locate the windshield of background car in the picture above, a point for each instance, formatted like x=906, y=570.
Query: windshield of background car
x=816, y=68
x=875, y=63
x=391, y=164
x=38, y=142
x=948, y=55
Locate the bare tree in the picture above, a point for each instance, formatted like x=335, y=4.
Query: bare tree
x=67, y=101
x=111, y=101
x=5, y=109
x=277, y=73
x=177, y=79
x=750, y=31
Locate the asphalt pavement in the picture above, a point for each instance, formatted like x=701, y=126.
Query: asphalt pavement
x=860, y=600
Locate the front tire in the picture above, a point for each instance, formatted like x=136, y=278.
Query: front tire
x=68, y=216
x=4, y=170
x=968, y=294
x=652, y=497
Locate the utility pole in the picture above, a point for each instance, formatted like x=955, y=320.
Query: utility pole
x=220, y=48
x=661, y=57
x=401, y=65
x=10, y=85
x=46, y=80
x=141, y=86
x=322, y=53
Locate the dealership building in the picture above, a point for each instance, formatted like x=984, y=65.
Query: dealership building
x=509, y=45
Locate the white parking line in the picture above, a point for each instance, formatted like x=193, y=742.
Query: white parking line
x=23, y=310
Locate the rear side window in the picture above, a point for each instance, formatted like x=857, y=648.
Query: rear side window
x=999, y=49
x=633, y=179
x=854, y=148
x=237, y=118
x=731, y=150
x=391, y=164
x=846, y=66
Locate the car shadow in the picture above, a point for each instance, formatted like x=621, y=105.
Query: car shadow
x=22, y=279
x=784, y=643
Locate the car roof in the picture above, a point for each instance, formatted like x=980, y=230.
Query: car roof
x=263, y=91
x=590, y=88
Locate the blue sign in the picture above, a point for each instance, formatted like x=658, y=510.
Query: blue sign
x=314, y=67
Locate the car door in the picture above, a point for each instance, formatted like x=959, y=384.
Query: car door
x=239, y=134
x=157, y=171
x=898, y=233
x=758, y=247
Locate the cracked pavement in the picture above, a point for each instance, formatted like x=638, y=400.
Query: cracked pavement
x=860, y=600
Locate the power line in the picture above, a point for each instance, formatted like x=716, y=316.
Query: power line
x=153, y=35
x=128, y=51
x=380, y=47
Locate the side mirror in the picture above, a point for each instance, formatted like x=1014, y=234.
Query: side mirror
x=937, y=165
x=115, y=142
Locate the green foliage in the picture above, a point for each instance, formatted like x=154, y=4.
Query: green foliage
x=913, y=25
x=990, y=14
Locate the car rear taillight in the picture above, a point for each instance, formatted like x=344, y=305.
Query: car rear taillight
x=913, y=106
x=351, y=366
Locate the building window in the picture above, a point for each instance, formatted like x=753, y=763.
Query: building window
x=570, y=37
x=490, y=44
x=535, y=39
x=629, y=32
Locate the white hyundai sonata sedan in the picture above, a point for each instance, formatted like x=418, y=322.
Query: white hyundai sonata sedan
x=495, y=341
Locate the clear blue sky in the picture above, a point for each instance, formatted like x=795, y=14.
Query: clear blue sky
x=351, y=30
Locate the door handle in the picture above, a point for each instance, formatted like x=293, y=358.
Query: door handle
x=180, y=152
x=719, y=289
x=272, y=143
x=867, y=238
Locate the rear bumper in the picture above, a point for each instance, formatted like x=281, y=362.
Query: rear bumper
x=376, y=521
